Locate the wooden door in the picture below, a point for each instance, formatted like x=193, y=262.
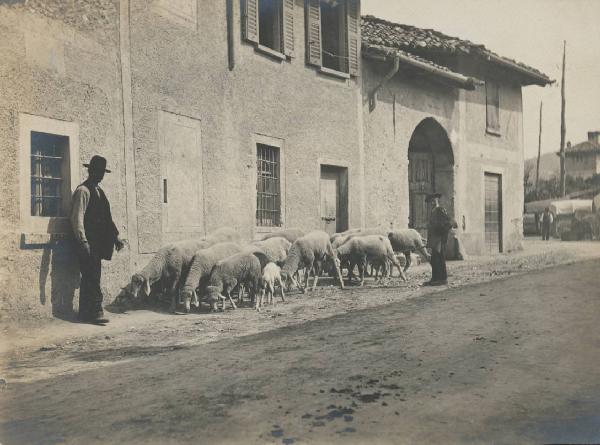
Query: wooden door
x=493, y=213
x=420, y=184
x=181, y=174
x=334, y=199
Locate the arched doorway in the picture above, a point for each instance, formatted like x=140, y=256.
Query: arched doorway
x=430, y=169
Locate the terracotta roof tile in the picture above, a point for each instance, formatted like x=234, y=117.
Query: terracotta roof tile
x=377, y=31
x=583, y=147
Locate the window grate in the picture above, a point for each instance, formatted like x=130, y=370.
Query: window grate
x=49, y=158
x=268, y=192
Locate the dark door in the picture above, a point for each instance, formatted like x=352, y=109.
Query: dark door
x=334, y=198
x=420, y=183
x=493, y=213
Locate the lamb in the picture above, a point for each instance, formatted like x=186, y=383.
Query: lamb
x=271, y=274
x=276, y=248
x=243, y=269
x=407, y=241
x=200, y=267
x=289, y=234
x=310, y=251
x=170, y=265
x=374, y=248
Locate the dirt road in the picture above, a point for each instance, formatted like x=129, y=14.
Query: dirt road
x=515, y=360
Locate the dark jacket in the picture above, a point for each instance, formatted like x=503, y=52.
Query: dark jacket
x=100, y=230
x=438, y=228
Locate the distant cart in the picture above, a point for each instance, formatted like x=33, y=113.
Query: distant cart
x=570, y=217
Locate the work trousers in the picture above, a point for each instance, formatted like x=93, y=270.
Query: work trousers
x=438, y=264
x=90, y=292
x=546, y=232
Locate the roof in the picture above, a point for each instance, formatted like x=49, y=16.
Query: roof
x=420, y=63
x=583, y=147
x=376, y=31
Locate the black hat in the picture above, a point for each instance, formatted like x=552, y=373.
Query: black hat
x=431, y=196
x=98, y=163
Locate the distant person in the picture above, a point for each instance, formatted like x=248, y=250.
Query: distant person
x=547, y=220
x=437, y=238
x=96, y=236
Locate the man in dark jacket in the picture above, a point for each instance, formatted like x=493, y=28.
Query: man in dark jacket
x=437, y=237
x=96, y=236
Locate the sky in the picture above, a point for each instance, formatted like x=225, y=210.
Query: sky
x=532, y=32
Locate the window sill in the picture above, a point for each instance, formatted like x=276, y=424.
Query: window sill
x=493, y=132
x=40, y=240
x=334, y=73
x=268, y=229
x=270, y=52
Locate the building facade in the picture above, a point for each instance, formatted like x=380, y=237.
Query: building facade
x=254, y=115
x=583, y=160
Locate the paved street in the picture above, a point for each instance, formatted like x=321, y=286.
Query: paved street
x=509, y=361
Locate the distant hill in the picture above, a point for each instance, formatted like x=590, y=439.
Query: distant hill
x=549, y=166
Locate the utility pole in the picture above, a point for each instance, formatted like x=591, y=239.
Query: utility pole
x=537, y=171
x=563, y=178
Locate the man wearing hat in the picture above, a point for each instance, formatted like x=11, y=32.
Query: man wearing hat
x=96, y=236
x=437, y=237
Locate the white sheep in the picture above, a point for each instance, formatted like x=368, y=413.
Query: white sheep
x=310, y=251
x=276, y=248
x=291, y=234
x=270, y=275
x=201, y=265
x=407, y=241
x=371, y=248
x=241, y=269
x=170, y=265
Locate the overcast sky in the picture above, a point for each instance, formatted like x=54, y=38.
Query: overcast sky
x=530, y=31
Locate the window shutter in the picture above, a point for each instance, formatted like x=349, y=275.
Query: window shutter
x=313, y=32
x=353, y=36
x=288, y=27
x=492, y=93
x=250, y=20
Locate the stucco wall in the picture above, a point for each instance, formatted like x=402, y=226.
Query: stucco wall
x=183, y=69
x=402, y=103
x=582, y=165
x=462, y=114
x=60, y=62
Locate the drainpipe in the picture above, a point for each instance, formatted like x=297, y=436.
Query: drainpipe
x=391, y=73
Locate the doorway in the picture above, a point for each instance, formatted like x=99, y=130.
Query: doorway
x=334, y=198
x=430, y=169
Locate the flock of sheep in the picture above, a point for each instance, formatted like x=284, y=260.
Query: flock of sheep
x=211, y=268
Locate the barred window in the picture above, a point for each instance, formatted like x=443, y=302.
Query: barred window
x=268, y=190
x=50, y=178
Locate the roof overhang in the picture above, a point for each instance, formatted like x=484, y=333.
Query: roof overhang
x=442, y=74
x=529, y=76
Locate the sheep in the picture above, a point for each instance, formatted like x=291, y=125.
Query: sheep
x=310, y=251
x=289, y=234
x=407, y=241
x=170, y=265
x=277, y=248
x=387, y=267
x=239, y=269
x=200, y=267
x=359, y=250
x=343, y=234
x=271, y=273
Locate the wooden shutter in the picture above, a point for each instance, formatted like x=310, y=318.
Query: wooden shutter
x=353, y=11
x=288, y=27
x=492, y=93
x=250, y=20
x=313, y=32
